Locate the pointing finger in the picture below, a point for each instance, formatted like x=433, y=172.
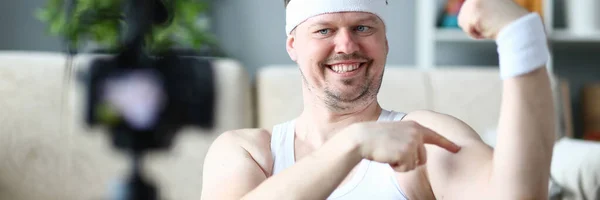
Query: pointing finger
x=422, y=155
x=430, y=137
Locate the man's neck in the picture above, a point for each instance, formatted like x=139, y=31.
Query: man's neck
x=318, y=123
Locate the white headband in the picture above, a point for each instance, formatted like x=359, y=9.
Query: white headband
x=298, y=11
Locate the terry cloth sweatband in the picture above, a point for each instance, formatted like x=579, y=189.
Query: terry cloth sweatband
x=522, y=46
x=298, y=11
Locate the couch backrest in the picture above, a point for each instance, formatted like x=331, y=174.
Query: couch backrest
x=472, y=94
x=33, y=156
x=44, y=155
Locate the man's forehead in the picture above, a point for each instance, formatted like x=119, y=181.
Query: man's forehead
x=300, y=11
x=348, y=17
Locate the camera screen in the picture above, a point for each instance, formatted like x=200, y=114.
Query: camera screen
x=136, y=96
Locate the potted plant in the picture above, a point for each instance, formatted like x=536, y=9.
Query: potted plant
x=100, y=22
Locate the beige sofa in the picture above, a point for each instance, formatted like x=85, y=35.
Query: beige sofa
x=47, y=152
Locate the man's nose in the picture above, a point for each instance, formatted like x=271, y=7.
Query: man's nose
x=346, y=42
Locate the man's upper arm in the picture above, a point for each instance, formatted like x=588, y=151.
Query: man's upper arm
x=236, y=163
x=464, y=175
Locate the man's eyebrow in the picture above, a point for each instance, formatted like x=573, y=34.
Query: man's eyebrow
x=369, y=19
x=319, y=24
x=372, y=19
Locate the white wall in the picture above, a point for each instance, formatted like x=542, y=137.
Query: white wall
x=20, y=30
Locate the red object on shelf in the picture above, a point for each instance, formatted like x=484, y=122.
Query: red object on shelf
x=591, y=111
x=593, y=136
x=453, y=6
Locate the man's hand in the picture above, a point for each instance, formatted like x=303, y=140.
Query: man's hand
x=484, y=19
x=400, y=144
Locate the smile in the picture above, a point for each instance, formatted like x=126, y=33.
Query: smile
x=344, y=68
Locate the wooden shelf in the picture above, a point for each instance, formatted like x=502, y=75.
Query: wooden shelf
x=457, y=35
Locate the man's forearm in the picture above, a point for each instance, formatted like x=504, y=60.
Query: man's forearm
x=313, y=177
x=526, y=136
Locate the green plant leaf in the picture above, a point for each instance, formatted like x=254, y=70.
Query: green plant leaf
x=100, y=21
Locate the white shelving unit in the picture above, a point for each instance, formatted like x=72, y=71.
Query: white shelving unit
x=429, y=36
x=454, y=35
x=559, y=35
x=431, y=40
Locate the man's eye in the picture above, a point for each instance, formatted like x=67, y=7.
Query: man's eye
x=362, y=28
x=324, y=31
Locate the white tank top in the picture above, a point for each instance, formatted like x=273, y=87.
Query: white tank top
x=372, y=180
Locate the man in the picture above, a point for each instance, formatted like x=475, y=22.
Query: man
x=345, y=146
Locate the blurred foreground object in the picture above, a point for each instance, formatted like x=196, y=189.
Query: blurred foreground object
x=48, y=156
x=145, y=98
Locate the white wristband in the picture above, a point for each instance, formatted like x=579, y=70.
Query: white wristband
x=522, y=46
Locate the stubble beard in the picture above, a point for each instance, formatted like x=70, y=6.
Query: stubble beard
x=338, y=101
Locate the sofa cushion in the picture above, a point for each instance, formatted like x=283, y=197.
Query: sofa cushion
x=404, y=89
x=279, y=95
x=177, y=172
x=32, y=142
x=576, y=168
x=471, y=94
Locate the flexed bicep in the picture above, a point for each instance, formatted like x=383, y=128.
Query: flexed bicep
x=461, y=175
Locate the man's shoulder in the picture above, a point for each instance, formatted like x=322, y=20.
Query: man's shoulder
x=424, y=114
x=446, y=125
x=253, y=135
x=253, y=142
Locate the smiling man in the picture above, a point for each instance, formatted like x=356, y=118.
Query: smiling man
x=344, y=145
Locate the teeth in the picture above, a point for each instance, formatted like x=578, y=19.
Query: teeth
x=344, y=68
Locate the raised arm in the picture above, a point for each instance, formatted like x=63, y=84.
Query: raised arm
x=526, y=131
x=526, y=137
x=519, y=166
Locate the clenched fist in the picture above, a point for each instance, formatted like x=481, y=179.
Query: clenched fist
x=484, y=19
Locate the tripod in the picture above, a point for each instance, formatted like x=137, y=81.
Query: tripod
x=137, y=187
x=169, y=92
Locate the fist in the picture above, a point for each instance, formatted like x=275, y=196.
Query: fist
x=484, y=19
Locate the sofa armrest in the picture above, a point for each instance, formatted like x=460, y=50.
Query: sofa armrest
x=576, y=168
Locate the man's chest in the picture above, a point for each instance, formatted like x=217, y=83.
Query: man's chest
x=301, y=150
x=415, y=184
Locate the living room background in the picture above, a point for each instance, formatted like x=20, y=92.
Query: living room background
x=253, y=33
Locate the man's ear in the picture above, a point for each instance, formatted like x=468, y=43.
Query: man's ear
x=290, y=47
x=387, y=46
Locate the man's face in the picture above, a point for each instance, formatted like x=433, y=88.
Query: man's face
x=341, y=57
